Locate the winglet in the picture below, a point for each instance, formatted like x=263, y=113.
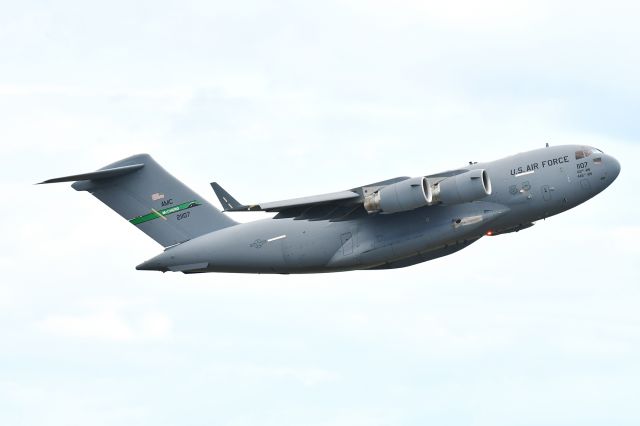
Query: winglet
x=228, y=202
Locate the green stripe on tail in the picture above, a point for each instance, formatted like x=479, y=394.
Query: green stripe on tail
x=164, y=212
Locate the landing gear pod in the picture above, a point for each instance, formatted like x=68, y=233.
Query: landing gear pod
x=403, y=196
x=463, y=188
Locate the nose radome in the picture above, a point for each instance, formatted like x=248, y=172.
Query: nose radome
x=614, y=167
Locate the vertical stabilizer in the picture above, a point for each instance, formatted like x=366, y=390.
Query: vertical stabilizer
x=151, y=199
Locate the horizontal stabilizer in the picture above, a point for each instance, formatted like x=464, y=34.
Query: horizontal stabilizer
x=100, y=174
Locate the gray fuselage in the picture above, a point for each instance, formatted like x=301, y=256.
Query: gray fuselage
x=526, y=187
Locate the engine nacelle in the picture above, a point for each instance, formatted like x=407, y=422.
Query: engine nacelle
x=463, y=188
x=402, y=196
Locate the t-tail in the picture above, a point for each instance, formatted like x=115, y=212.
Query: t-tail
x=151, y=199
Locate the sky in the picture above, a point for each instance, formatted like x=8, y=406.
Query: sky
x=282, y=99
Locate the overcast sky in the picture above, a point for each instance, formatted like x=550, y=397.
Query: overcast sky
x=281, y=99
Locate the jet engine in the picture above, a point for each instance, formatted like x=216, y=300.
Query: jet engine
x=418, y=192
x=463, y=188
x=402, y=196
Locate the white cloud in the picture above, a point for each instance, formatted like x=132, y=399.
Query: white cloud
x=108, y=325
x=155, y=326
x=492, y=15
x=104, y=325
x=307, y=376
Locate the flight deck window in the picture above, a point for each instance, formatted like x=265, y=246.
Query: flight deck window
x=587, y=152
x=583, y=153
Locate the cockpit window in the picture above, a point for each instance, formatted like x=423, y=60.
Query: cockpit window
x=584, y=153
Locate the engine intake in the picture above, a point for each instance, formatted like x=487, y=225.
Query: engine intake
x=463, y=188
x=402, y=196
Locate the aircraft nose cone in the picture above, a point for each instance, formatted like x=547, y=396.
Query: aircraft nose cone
x=614, y=168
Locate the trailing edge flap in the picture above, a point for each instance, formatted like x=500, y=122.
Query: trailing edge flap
x=230, y=204
x=100, y=174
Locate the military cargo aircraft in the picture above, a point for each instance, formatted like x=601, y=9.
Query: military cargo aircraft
x=384, y=225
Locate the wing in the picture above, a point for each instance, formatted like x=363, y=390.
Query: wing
x=339, y=205
x=230, y=204
x=348, y=197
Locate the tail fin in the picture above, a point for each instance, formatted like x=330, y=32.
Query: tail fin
x=145, y=194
